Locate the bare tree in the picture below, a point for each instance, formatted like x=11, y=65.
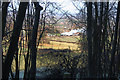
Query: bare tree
x=114, y=43
x=38, y=8
x=14, y=40
x=89, y=38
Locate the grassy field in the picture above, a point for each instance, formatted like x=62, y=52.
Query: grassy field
x=68, y=42
x=61, y=42
x=64, y=38
x=59, y=45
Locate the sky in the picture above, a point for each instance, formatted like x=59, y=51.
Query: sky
x=67, y=5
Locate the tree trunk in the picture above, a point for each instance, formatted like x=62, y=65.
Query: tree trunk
x=95, y=42
x=17, y=67
x=99, y=34
x=33, y=41
x=105, y=37
x=114, y=42
x=89, y=38
x=28, y=51
x=14, y=39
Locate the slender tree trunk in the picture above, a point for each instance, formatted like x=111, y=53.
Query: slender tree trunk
x=17, y=67
x=14, y=39
x=42, y=31
x=33, y=43
x=27, y=36
x=118, y=54
x=30, y=37
x=95, y=42
x=26, y=63
x=89, y=38
x=114, y=42
x=117, y=58
x=104, y=37
x=100, y=47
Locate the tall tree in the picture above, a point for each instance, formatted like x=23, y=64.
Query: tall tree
x=38, y=8
x=14, y=39
x=89, y=38
x=27, y=36
x=95, y=41
x=114, y=42
x=99, y=36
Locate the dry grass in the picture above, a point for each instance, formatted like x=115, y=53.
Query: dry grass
x=61, y=45
x=64, y=38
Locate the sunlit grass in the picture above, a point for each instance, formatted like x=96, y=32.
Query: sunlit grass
x=68, y=42
x=59, y=45
x=65, y=38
